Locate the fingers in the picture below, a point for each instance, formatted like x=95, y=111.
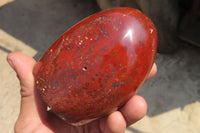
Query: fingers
x=134, y=110
x=23, y=66
x=114, y=123
x=152, y=72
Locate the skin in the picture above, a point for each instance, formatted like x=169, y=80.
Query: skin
x=34, y=118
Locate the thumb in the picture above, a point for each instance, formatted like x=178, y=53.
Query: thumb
x=30, y=104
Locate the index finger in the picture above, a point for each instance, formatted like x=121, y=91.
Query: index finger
x=152, y=72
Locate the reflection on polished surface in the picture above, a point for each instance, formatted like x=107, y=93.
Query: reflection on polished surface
x=129, y=35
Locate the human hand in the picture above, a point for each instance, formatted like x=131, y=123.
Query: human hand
x=34, y=118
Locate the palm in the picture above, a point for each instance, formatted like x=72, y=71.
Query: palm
x=62, y=127
x=52, y=124
x=48, y=122
x=34, y=117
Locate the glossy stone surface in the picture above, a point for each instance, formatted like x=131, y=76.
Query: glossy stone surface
x=97, y=65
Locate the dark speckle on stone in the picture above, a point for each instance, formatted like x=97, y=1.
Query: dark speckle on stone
x=87, y=84
x=88, y=61
x=129, y=78
x=115, y=85
x=107, y=76
x=93, y=79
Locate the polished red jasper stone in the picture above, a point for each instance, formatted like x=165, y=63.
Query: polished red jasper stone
x=97, y=65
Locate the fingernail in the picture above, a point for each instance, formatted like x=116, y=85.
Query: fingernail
x=11, y=63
